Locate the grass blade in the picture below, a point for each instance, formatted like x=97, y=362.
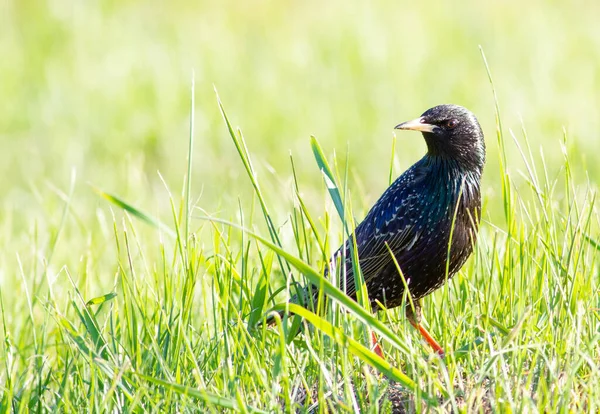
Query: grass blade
x=329, y=289
x=135, y=212
x=359, y=350
x=202, y=395
x=329, y=178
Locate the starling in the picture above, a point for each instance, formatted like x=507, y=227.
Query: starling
x=428, y=218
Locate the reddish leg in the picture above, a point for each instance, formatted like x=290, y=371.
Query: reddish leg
x=375, y=345
x=414, y=317
x=427, y=336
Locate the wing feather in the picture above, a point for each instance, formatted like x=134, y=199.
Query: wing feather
x=391, y=221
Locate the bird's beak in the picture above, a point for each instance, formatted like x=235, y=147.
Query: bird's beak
x=418, y=124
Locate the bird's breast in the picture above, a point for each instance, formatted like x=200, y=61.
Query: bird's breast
x=450, y=214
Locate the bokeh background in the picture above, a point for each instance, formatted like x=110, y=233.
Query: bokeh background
x=100, y=91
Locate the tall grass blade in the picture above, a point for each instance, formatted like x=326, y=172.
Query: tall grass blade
x=240, y=145
x=326, y=287
x=329, y=178
x=359, y=350
x=202, y=395
x=136, y=212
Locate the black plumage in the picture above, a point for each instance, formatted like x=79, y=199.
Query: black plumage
x=437, y=197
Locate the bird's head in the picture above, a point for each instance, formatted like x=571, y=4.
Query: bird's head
x=452, y=132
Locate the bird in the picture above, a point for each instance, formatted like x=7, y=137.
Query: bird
x=427, y=220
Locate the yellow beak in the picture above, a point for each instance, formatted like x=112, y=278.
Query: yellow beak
x=418, y=124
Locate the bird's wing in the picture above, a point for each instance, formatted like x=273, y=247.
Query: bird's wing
x=389, y=225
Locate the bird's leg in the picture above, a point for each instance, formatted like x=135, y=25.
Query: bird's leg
x=414, y=317
x=375, y=345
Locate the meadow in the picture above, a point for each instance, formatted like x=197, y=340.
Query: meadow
x=161, y=192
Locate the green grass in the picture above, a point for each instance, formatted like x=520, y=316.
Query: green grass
x=123, y=289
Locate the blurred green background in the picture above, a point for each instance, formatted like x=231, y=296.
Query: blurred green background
x=103, y=89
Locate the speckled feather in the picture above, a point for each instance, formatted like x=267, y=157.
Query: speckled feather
x=436, y=197
x=415, y=218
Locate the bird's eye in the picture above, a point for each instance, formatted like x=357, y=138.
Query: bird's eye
x=452, y=123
